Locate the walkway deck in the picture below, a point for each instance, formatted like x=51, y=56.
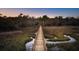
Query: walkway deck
x=39, y=44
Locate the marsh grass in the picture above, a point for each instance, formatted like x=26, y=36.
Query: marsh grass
x=59, y=32
x=16, y=42
x=13, y=42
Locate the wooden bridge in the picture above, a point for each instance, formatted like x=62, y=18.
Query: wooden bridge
x=39, y=43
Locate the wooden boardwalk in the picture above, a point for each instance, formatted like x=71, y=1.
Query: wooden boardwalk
x=39, y=43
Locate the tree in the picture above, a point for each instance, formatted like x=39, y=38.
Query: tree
x=0, y=15
x=20, y=15
x=44, y=18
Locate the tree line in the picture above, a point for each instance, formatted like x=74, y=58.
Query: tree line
x=21, y=21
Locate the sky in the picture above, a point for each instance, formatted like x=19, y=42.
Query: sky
x=37, y=12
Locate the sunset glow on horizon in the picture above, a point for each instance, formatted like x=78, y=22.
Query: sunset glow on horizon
x=36, y=12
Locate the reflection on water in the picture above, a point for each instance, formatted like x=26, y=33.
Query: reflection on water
x=29, y=45
x=56, y=48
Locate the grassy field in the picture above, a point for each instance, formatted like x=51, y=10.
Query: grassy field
x=13, y=42
x=16, y=41
x=57, y=31
x=51, y=32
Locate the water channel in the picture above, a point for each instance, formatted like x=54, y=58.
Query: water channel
x=71, y=40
